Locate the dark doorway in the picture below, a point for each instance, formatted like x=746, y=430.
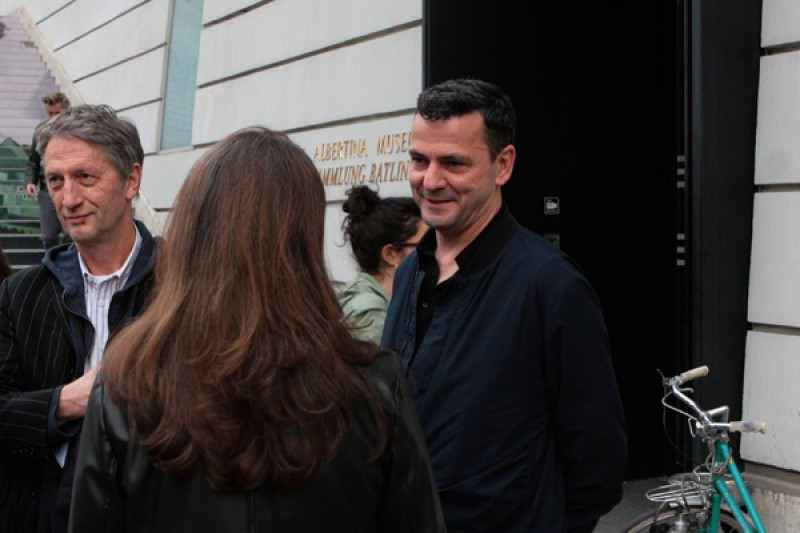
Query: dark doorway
x=602, y=98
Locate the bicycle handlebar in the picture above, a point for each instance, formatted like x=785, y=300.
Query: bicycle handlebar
x=706, y=417
x=694, y=373
x=746, y=426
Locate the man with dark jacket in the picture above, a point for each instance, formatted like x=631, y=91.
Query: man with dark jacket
x=55, y=318
x=54, y=103
x=503, y=338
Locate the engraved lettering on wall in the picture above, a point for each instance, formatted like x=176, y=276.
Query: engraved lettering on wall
x=357, y=161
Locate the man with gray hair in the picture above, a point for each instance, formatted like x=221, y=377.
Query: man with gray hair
x=54, y=103
x=56, y=318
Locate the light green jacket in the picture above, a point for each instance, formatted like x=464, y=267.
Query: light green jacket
x=364, y=303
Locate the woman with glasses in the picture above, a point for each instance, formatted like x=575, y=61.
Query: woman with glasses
x=381, y=232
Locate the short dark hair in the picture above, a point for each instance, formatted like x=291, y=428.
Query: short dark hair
x=56, y=98
x=458, y=97
x=373, y=222
x=100, y=126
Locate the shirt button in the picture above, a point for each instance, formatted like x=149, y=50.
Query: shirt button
x=424, y=305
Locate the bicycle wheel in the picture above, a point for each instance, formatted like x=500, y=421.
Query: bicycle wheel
x=665, y=520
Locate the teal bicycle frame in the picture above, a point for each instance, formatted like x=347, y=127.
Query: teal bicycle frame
x=723, y=456
x=699, y=496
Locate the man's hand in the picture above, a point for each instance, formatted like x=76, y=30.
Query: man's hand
x=30, y=190
x=75, y=397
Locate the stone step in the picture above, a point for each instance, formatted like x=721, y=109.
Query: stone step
x=20, y=122
x=24, y=78
x=10, y=155
x=17, y=38
x=21, y=241
x=28, y=100
x=22, y=258
x=11, y=166
x=17, y=112
x=38, y=85
x=11, y=23
x=23, y=69
x=21, y=135
x=11, y=152
x=13, y=160
x=12, y=193
x=22, y=99
x=19, y=55
x=20, y=225
x=15, y=179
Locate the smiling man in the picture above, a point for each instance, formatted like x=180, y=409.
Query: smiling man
x=56, y=318
x=503, y=338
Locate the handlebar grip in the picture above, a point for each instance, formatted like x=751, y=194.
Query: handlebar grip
x=698, y=372
x=744, y=426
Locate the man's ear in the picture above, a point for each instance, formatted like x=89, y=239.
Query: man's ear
x=505, y=164
x=133, y=181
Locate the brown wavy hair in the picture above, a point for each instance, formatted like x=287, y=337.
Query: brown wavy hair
x=240, y=364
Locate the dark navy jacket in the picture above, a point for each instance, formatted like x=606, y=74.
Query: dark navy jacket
x=514, y=386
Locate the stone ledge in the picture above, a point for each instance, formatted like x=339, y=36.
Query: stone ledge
x=772, y=479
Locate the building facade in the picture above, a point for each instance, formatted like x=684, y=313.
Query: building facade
x=342, y=77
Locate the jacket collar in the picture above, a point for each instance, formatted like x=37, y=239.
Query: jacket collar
x=480, y=252
x=62, y=261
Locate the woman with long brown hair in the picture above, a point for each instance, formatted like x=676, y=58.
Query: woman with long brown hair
x=239, y=401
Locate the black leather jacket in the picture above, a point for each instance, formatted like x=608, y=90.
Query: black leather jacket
x=118, y=489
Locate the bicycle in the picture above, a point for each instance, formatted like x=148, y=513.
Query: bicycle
x=713, y=497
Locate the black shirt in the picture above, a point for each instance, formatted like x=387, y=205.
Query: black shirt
x=472, y=259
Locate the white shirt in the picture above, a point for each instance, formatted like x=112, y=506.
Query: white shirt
x=98, y=291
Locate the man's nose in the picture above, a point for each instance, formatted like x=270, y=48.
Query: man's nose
x=70, y=194
x=434, y=177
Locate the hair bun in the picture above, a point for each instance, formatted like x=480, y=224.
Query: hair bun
x=361, y=201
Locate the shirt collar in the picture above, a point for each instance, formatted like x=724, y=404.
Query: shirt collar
x=482, y=250
x=123, y=271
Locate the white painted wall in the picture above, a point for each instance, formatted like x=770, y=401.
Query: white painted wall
x=324, y=71
x=778, y=125
x=350, y=70
x=346, y=83
x=772, y=358
x=780, y=20
x=145, y=28
x=771, y=395
x=286, y=29
x=81, y=17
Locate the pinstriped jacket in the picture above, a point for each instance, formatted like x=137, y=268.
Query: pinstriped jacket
x=45, y=337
